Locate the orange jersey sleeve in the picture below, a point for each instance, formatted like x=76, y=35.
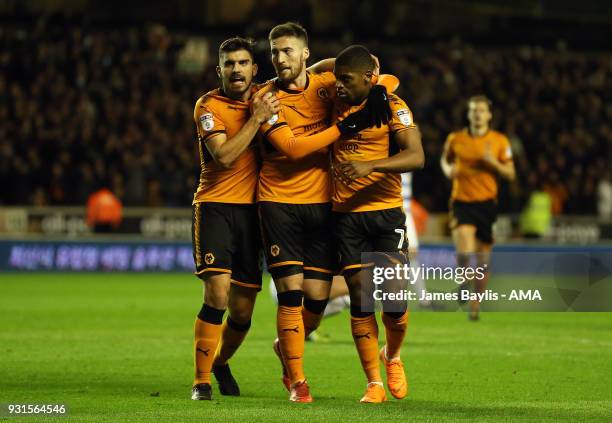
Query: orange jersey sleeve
x=505, y=151
x=208, y=120
x=401, y=118
x=216, y=114
x=390, y=82
x=296, y=148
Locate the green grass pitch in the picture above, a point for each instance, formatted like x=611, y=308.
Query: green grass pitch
x=118, y=347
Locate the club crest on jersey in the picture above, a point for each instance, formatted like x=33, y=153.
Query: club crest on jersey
x=273, y=119
x=274, y=250
x=209, y=258
x=404, y=117
x=322, y=93
x=207, y=121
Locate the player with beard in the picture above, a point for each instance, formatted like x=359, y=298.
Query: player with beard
x=294, y=198
x=226, y=238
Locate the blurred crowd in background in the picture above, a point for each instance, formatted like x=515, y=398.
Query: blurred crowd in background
x=82, y=106
x=555, y=107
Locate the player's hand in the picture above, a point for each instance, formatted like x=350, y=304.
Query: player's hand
x=352, y=170
x=338, y=175
x=265, y=106
x=355, y=122
x=378, y=104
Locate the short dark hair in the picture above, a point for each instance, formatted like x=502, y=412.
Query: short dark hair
x=481, y=98
x=289, y=29
x=235, y=44
x=356, y=57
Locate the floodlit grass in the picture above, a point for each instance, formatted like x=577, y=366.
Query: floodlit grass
x=118, y=347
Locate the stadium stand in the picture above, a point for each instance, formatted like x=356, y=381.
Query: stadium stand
x=85, y=102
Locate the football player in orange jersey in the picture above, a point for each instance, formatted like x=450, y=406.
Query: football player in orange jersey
x=294, y=199
x=226, y=237
x=367, y=202
x=368, y=215
x=473, y=159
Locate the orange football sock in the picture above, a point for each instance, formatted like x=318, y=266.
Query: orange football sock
x=290, y=327
x=207, y=337
x=231, y=339
x=395, y=330
x=365, y=335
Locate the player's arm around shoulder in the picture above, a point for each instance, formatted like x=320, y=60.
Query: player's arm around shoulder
x=223, y=150
x=325, y=65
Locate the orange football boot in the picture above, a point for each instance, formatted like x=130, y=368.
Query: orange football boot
x=375, y=393
x=396, y=378
x=300, y=392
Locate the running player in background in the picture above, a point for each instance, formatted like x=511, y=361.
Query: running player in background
x=473, y=159
x=226, y=237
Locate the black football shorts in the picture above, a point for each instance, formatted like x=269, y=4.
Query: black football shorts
x=226, y=239
x=370, y=231
x=481, y=214
x=298, y=238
